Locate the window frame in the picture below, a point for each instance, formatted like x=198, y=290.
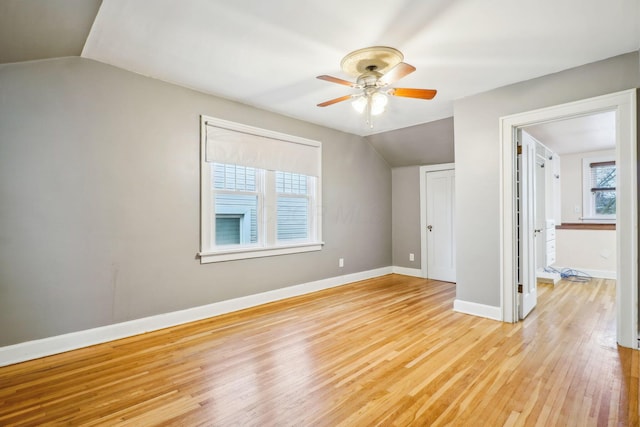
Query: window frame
x=588, y=197
x=268, y=244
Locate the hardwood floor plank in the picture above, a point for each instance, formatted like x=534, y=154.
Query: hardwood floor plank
x=388, y=351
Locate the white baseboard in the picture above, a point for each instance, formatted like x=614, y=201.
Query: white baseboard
x=58, y=344
x=481, y=310
x=601, y=274
x=415, y=272
x=547, y=277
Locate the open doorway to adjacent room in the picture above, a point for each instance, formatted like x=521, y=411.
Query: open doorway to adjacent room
x=574, y=197
x=519, y=223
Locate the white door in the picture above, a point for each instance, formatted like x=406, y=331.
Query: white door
x=527, y=292
x=441, y=244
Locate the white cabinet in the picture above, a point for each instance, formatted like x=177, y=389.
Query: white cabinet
x=550, y=250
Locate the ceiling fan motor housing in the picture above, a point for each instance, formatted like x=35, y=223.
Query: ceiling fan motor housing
x=368, y=78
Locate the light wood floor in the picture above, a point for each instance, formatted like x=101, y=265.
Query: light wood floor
x=388, y=351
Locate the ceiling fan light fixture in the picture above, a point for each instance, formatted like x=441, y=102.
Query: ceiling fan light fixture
x=376, y=68
x=359, y=103
x=378, y=102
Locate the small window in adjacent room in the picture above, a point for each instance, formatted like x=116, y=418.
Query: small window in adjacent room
x=260, y=192
x=599, y=189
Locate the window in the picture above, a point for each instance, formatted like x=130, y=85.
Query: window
x=599, y=189
x=260, y=192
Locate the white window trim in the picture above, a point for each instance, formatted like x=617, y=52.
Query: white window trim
x=269, y=247
x=588, y=208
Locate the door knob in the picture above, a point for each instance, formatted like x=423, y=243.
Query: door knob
x=429, y=227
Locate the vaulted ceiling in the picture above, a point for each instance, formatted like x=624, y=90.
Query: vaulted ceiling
x=268, y=53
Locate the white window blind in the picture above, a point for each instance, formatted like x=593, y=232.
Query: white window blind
x=242, y=146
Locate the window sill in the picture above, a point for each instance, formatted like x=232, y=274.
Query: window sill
x=248, y=253
x=604, y=219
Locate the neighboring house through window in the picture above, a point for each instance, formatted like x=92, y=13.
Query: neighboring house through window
x=599, y=189
x=236, y=204
x=260, y=192
x=293, y=201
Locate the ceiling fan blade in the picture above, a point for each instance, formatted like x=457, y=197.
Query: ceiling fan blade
x=396, y=73
x=334, y=101
x=413, y=93
x=336, y=80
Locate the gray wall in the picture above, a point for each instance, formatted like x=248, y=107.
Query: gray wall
x=426, y=144
x=99, y=201
x=477, y=154
x=406, y=150
x=406, y=216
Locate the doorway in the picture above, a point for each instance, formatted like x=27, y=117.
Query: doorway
x=624, y=105
x=577, y=156
x=583, y=246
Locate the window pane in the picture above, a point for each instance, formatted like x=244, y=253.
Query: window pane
x=218, y=176
x=603, y=185
x=291, y=183
x=237, y=215
x=293, y=218
x=603, y=176
x=227, y=230
x=605, y=202
x=292, y=206
x=233, y=177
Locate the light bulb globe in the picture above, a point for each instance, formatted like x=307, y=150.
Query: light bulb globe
x=359, y=104
x=378, y=103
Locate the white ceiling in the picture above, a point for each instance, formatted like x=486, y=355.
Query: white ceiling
x=268, y=53
x=594, y=132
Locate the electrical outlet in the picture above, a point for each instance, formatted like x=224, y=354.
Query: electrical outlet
x=412, y=257
x=341, y=262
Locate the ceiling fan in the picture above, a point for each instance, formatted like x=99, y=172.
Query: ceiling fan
x=376, y=68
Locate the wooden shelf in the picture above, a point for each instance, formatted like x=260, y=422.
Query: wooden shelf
x=585, y=226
